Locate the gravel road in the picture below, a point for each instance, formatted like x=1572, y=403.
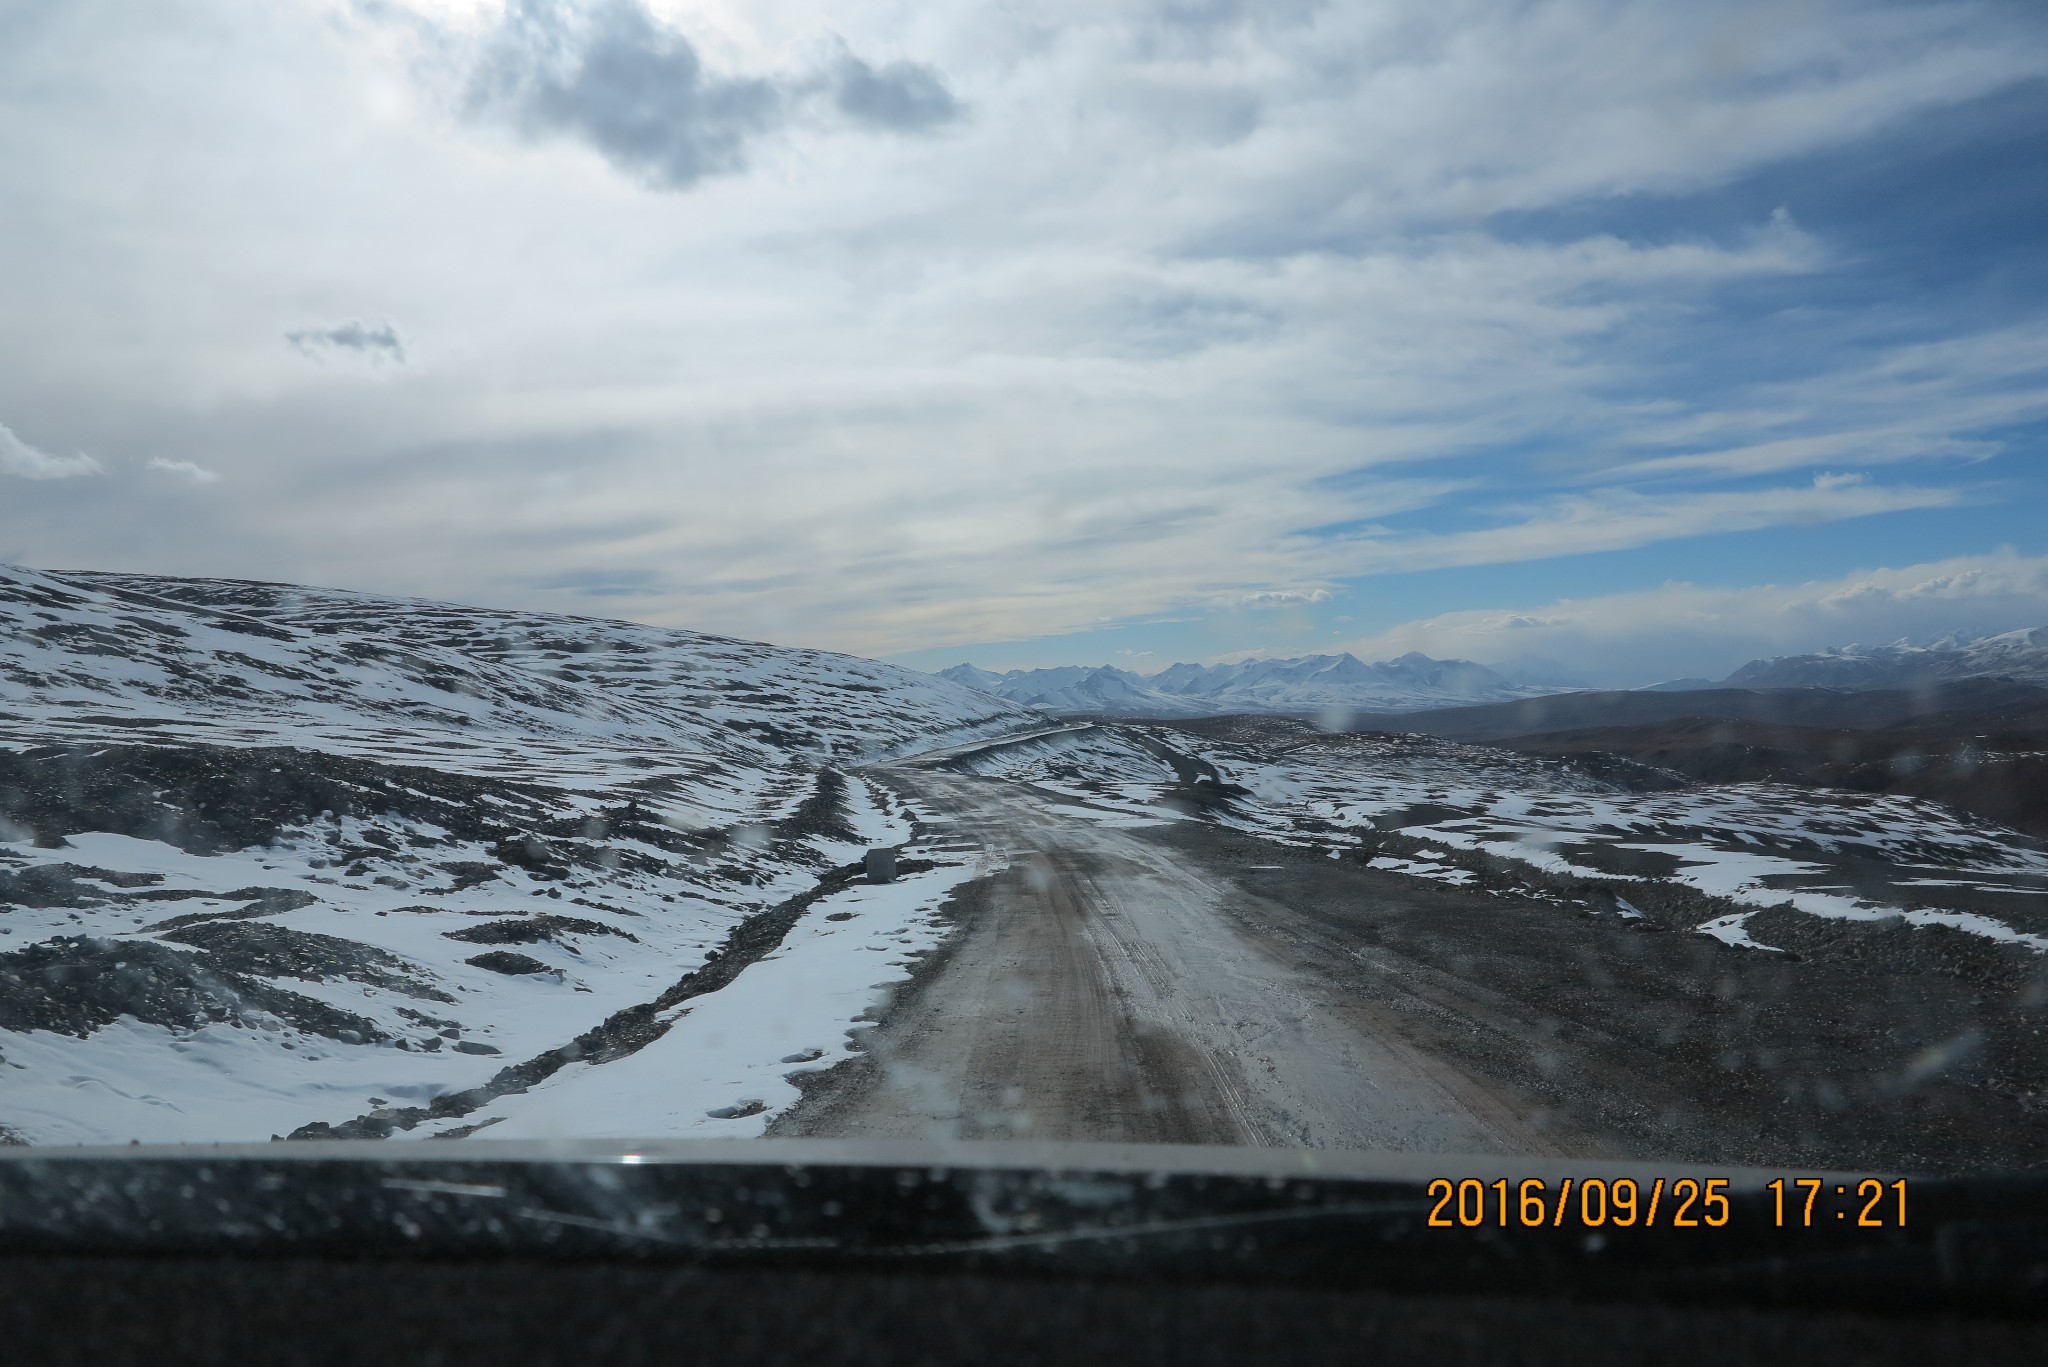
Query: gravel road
x=1107, y=987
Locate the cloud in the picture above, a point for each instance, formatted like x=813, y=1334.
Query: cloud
x=1910, y=402
x=1685, y=630
x=20, y=459
x=613, y=76
x=1621, y=519
x=596, y=583
x=377, y=343
x=1282, y=598
x=1443, y=111
x=902, y=97
x=183, y=469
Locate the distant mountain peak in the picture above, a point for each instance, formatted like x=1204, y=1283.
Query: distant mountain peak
x=2020, y=655
x=1301, y=685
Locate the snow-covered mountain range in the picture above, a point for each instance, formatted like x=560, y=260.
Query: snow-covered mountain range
x=1308, y=685
x=2021, y=655
x=1415, y=682
x=277, y=859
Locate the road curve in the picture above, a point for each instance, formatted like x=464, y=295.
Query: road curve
x=1100, y=989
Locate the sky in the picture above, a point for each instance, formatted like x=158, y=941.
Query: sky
x=1609, y=340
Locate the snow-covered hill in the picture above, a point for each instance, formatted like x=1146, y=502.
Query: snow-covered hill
x=276, y=858
x=261, y=650
x=1311, y=684
x=2021, y=655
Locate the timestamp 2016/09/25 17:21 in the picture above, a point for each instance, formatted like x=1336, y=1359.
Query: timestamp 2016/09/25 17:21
x=1682, y=1203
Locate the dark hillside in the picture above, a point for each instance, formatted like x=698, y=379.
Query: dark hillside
x=1802, y=707
x=1989, y=764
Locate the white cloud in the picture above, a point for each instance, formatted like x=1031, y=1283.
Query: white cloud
x=1619, y=519
x=1682, y=630
x=1283, y=598
x=20, y=459
x=1906, y=404
x=183, y=469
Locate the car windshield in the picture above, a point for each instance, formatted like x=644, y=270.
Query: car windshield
x=1404, y=577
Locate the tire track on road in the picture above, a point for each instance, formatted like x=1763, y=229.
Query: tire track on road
x=1100, y=989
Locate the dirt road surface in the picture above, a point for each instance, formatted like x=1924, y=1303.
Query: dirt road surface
x=1111, y=987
